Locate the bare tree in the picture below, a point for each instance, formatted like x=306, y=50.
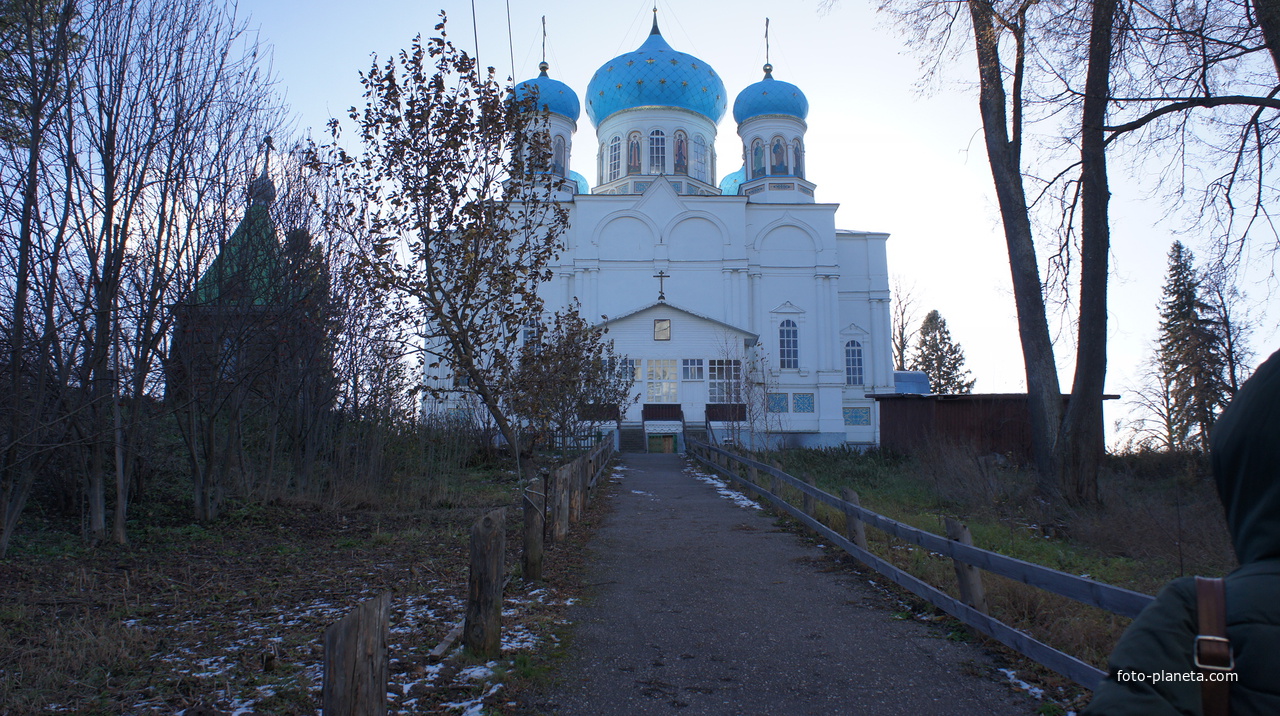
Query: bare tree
x=35, y=49
x=904, y=313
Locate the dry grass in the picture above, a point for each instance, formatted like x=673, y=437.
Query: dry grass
x=190, y=616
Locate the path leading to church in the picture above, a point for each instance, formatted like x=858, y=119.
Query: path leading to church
x=702, y=606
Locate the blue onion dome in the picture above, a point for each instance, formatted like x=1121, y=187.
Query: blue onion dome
x=583, y=186
x=729, y=185
x=551, y=95
x=770, y=96
x=654, y=75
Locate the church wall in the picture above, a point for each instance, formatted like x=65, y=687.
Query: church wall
x=691, y=338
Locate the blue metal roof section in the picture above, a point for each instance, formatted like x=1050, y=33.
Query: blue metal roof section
x=729, y=185
x=583, y=186
x=910, y=382
x=551, y=95
x=655, y=75
x=770, y=96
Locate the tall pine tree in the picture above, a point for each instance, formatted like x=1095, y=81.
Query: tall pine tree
x=1190, y=364
x=940, y=358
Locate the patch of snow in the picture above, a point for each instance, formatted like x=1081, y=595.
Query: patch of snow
x=1012, y=675
x=477, y=673
x=518, y=637
x=473, y=707
x=723, y=489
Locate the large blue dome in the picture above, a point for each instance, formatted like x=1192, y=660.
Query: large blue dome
x=770, y=96
x=553, y=95
x=655, y=75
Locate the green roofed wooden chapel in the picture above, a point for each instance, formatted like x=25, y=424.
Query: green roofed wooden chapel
x=254, y=325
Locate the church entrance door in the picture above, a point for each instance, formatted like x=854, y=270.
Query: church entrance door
x=662, y=443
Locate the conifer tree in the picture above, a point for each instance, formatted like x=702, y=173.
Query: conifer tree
x=940, y=358
x=1190, y=366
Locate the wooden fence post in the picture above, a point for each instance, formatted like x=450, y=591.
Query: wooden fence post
x=560, y=510
x=775, y=484
x=481, y=635
x=753, y=477
x=807, y=498
x=575, y=490
x=853, y=527
x=535, y=517
x=355, y=660
x=967, y=575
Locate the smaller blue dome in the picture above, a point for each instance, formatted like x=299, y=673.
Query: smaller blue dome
x=770, y=96
x=583, y=186
x=552, y=95
x=729, y=185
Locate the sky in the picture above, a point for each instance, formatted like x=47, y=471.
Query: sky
x=895, y=157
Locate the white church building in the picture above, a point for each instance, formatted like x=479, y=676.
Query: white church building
x=707, y=280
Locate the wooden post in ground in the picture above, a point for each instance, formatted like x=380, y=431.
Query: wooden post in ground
x=853, y=527
x=775, y=484
x=355, y=660
x=753, y=477
x=560, y=505
x=807, y=498
x=969, y=577
x=481, y=635
x=535, y=505
x=576, y=491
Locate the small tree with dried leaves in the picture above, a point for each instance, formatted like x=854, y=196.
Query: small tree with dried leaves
x=460, y=231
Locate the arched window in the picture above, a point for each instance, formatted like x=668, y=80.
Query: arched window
x=700, y=158
x=757, y=159
x=633, y=153
x=778, y=157
x=657, y=152
x=797, y=153
x=853, y=363
x=788, y=345
x=557, y=157
x=615, y=158
x=681, y=155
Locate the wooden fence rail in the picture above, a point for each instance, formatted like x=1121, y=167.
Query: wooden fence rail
x=1114, y=599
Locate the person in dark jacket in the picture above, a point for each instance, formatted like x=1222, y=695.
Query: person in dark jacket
x=1245, y=452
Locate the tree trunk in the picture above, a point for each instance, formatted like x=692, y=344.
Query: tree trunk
x=1044, y=399
x=1080, y=445
x=1268, y=13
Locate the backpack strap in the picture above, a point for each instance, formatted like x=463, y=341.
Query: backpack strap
x=1212, y=651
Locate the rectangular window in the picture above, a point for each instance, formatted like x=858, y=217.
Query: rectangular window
x=632, y=366
x=802, y=402
x=777, y=402
x=660, y=378
x=853, y=363
x=615, y=158
x=657, y=152
x=699, y=159
x=723, y=380
x=662, y=329
x=691, y=369
x=788, y=346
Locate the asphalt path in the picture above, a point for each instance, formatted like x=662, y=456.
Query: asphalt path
x=700, y=605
